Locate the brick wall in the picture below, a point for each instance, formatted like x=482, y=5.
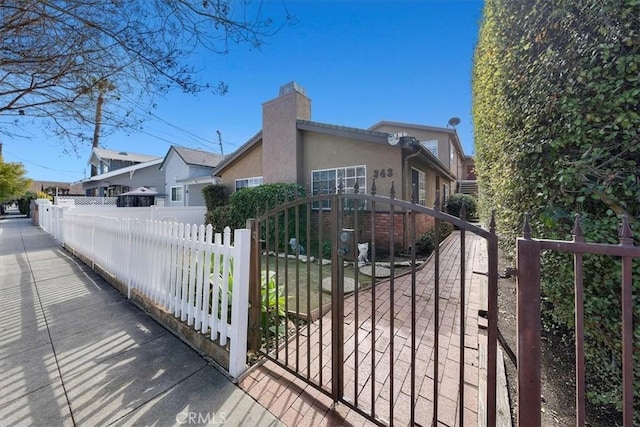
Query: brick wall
x=401, y=224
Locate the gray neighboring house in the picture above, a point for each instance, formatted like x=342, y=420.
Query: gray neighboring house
x=187, y=172
x=121, y=171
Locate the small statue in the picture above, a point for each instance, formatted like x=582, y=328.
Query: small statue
x=363, y=253
x=293, y=243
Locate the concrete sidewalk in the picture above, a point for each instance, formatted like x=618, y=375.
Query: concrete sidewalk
x=73, y=351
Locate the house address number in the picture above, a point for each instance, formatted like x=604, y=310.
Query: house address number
x=383, y=173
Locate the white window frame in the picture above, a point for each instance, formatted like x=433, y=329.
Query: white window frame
x=254, y=181
x=348, y=181
x=179, y=193
x=422, y=186
x=431, y=145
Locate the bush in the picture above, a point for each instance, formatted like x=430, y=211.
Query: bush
x=24, y=203
x=214, y=196
x=425, y=244
x=219, y=218
x=455, y=202
x=253, y=202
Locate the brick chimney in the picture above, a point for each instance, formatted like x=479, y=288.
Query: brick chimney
x=280, y=151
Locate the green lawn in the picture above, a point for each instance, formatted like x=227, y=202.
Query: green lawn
x=308, y=293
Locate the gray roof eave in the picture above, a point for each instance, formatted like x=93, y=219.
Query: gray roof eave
x=238, y=153
x=343, y=131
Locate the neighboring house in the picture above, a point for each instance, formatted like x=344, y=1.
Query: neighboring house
x=121, y=171
x=468, y=183
x=291, y=148
x=179, y=177
x=107, y=161
x=122, y=180
x=50, y=187
x=187, y=172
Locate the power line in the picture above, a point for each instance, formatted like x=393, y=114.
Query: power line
x=63, y=171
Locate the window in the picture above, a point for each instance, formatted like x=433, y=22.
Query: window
x=326, y=181
x=419, y=180
x=248, y=182
x=177, y=194
x=452, y=156
x=432, y=146
x=445, y=194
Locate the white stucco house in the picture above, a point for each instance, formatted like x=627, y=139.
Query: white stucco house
x=187, y=172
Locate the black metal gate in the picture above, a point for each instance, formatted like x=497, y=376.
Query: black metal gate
x=368, y=342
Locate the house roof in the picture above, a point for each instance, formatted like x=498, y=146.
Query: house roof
x=194, y=157
x=367, y=135
x=344, y=131
x=326, y=128
x=104, y=154
x=450, y=131
x=239, y=152
x=122, y=171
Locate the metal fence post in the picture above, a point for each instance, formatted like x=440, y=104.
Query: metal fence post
x=528, y=317
x=253, y=334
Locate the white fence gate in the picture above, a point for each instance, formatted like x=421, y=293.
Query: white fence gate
x=186, y=269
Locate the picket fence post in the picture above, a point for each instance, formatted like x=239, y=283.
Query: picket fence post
x=240, y=302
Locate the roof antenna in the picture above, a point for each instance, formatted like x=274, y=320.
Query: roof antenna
x=453, y=122
x=220, y=142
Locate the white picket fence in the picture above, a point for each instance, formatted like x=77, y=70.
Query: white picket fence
x=50, y=216
x=186, y=269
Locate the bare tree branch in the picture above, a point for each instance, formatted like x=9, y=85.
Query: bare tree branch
x=54, y=54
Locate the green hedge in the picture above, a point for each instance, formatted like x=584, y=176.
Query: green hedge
x=253, y=202
x=556, y=88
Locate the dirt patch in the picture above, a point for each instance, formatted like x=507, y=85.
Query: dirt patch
x=558, y=369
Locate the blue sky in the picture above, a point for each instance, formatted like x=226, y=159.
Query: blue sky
x=359, y=61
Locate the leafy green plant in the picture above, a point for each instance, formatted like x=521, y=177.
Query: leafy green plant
x=273, y=301
x=24, y=203
x=215, y=196
x=425, y=244
x=272, y=297
x=252, y=202
x=455, y=202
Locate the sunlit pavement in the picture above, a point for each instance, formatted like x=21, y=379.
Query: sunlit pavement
x=74, y=351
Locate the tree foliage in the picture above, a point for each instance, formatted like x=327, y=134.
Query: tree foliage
x=57, y=57
x=13, y=182
x=556, y=89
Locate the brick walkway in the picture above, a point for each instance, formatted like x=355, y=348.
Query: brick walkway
x=296, y=403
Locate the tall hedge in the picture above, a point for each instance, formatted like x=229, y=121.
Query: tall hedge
x=556, y=95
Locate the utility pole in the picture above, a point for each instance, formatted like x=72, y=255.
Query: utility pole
x=96, y=128
x=220, y=142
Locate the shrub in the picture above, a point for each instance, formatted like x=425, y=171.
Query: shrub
x=425, y=244
x=455, y=202
x=219, y=218
x=214, y=196
x=252, y=202
x=24, y=203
